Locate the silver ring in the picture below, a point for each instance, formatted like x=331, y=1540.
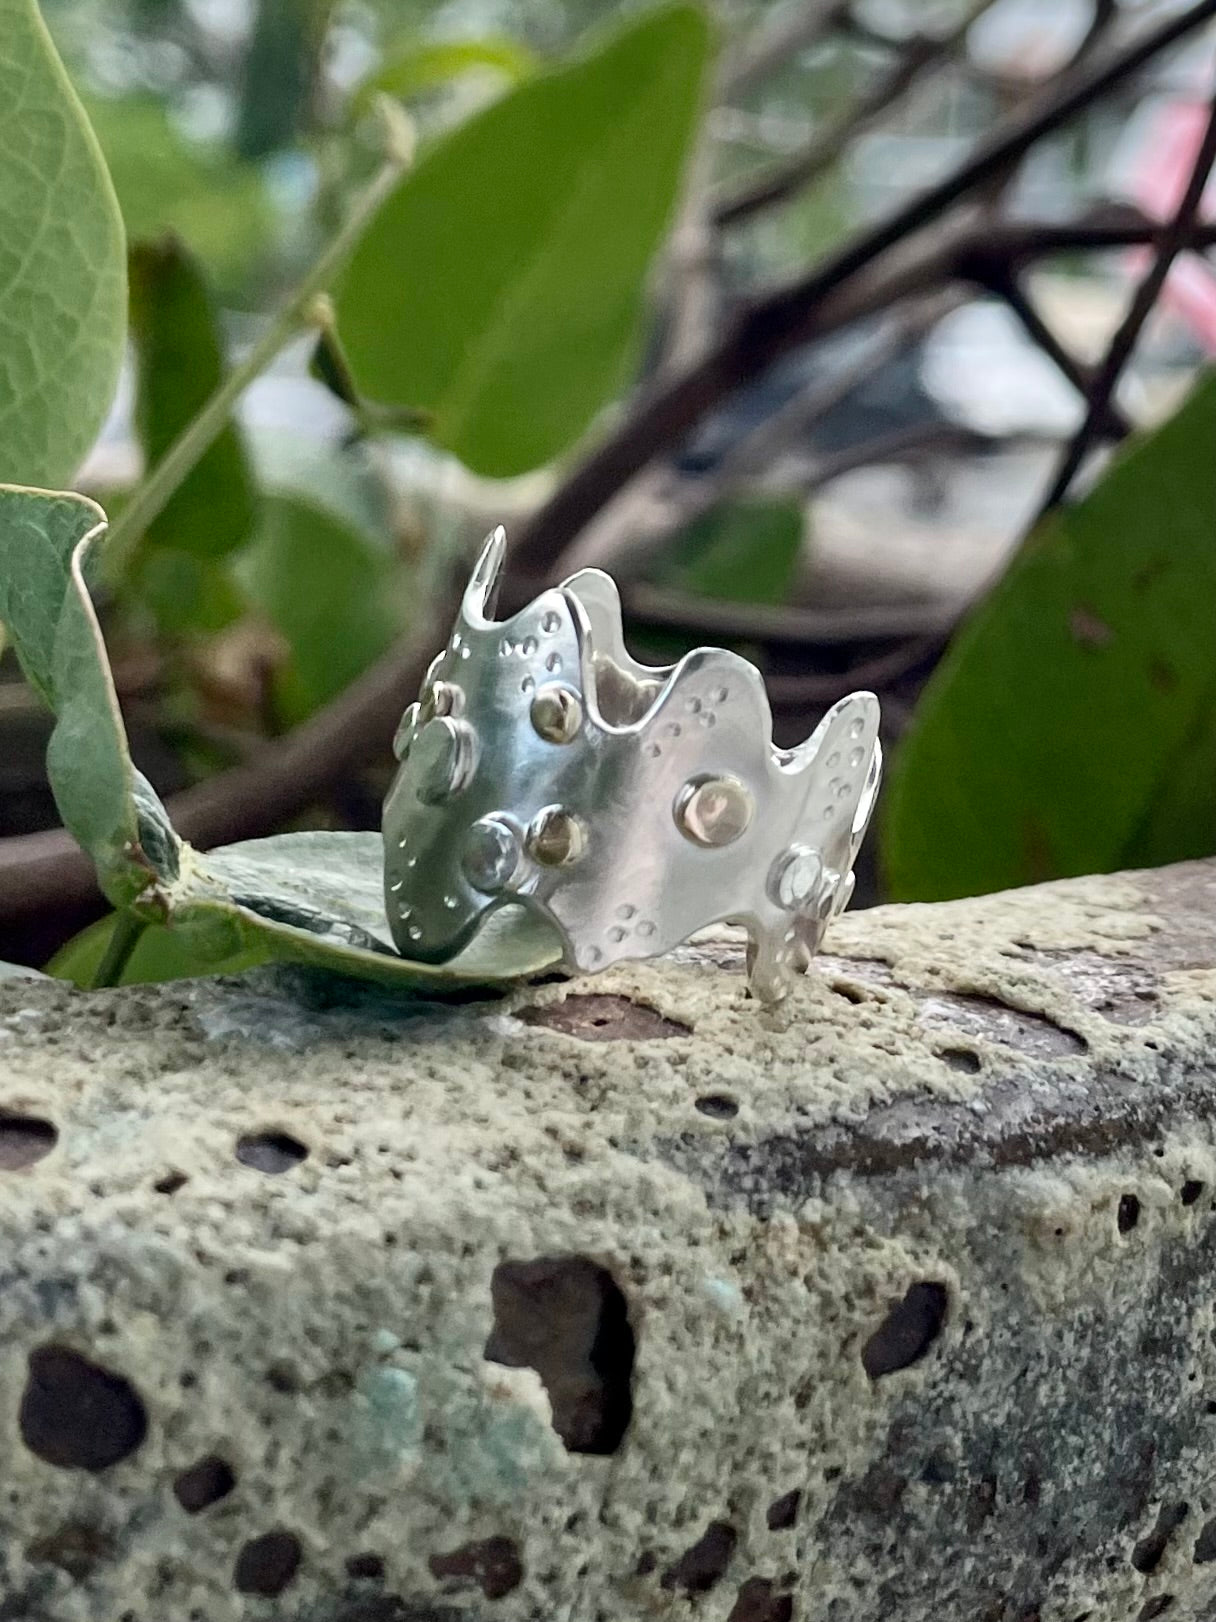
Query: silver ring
x=543, y=766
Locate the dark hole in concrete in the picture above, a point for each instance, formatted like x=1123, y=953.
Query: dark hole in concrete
x=204, y=1484
x=170, y=1182
x=759, y=1601
x=493, y=1564
x=1191, y=1191
x=566, y=1318
x=1128, y=1213
x=1205, y=1544
x=1146, y=1556
x=1157, y=1606
x=271, y=1152
x=853, y=994
x=718, y=1106
x=961, y=1059
x=646, y=1563
x=908, y=1330
x=604, y=1018
x=75, y=1547
x=24, y=1139
x=700, y=1568
x=284, y=1378
x=77, y=1415
x=267, y=1564
x=367, y=1566
x=783, y=1511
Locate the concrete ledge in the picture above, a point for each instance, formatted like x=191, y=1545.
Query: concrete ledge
x=628, y=1299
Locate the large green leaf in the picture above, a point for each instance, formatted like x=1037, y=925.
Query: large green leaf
x=62, y=273
x=744, y=550
x=179, y=364
x=500, y=288
x=1072, y=726
x=331, y=590
x=312, y=898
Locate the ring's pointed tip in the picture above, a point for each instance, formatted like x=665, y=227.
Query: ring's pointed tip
x=482, y=582
x=492, y=554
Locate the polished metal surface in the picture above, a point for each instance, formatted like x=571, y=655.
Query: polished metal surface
x=632, y=806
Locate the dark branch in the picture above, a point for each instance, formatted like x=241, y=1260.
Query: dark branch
x=1173, y=240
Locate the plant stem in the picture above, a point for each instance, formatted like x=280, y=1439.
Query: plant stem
x=152, y=496
x=124, y=938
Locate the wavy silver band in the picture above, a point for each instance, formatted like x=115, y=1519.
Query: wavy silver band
x=543, y=766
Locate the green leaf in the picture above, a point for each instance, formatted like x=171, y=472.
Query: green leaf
x=500, y=289
x=1070, y=727
x=742, y=551
x=330, y=590
x=416, y=66
x=312, y=898
x=179, y=365
x=62, y=273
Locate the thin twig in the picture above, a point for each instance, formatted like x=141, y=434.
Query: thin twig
x=917, y=55
x=1175, y=237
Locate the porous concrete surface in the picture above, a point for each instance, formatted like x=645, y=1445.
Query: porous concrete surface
x=627, y=1298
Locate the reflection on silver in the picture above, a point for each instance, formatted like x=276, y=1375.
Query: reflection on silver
x=630, y=806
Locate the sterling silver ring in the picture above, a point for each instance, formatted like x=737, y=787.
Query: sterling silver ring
x=543, y=766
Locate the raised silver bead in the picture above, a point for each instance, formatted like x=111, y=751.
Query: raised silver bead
x=442, y=758
x=492, y=853
x=557, y=714
x=556, y=837
x=407, y=729
x=713, y=811
x=795, y=878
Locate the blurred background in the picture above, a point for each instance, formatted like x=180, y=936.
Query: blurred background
x=835, y=514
